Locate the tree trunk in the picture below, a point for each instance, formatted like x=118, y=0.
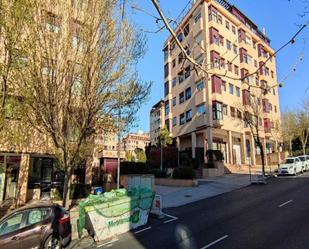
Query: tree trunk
x=161, y=165
x=304, y=149
x=66, y=189
x=262, y=159
x=291, y=147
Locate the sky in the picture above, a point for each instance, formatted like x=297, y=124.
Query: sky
x=280, y=19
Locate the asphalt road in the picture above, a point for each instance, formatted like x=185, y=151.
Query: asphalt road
x=272, y=216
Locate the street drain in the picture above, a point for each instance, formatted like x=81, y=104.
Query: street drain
x=188, y=196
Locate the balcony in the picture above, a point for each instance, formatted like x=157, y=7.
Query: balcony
x=217, y=123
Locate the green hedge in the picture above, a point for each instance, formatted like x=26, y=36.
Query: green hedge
x=183, y=173
x=133, y=168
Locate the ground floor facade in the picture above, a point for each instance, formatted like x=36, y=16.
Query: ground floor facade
x=237, y=148
x=28, y=176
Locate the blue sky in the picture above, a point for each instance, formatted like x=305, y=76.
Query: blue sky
x=279, y=17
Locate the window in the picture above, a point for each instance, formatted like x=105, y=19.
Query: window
x=186, y=30
x=182, y=119
x=167, y=107
x=174, y=82
x=165, y=50
x=174, y=63
x=180, y=37
x=166, y=88
x=174, y=101
x=189, y=115
x=224, y=110
x=227, y=25
x=254, y=44
x=174, y=121
x=188, y=93
x=181, y=77
x=199, y=60
x=166, y=70
x=272, y=74
x=274, y=91
x=235, y=49
x=37, y=215
x=275, y=108
x=237, y=91
x=11, y=224
x=172, y=46
x=223, y=86
x=201, y=109
x=228, y=45
x=231, y=88
x=232, y=111
x=181, y=97
x=217, y=110
x=197, y=17
x=198, y=39
x=52, y=23
x=229, y=66
x=239, y=114
x=187, y=72
x=234, y=30
x=236, y=70
x=200, y=85
x=180, y=58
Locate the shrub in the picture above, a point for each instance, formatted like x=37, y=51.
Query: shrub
x=159, y=173
x=127, y=168
x=183, y=173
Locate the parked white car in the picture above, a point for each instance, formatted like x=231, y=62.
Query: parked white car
x=305, y=162
x=291, y=166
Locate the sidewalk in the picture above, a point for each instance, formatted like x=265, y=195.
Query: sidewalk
x=178, y=196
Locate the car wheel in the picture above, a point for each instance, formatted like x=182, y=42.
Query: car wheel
x=295, y=172
x=53, y=243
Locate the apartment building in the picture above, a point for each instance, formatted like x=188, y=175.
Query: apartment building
x=204, y=109
x=137, y=140
x=157, y=121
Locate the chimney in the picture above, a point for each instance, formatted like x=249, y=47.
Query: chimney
x=264, y=31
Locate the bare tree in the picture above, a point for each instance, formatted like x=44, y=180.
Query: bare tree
x=288, y=126
x=78, y=70
x=302, y=128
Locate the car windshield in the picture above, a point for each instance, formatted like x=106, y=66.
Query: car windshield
x=302, y=158
x=289, y=161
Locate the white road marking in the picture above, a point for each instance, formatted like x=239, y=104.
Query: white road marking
x=173, y=218
x=215, y=242
x=145, y=229
x=168, y=221
x=108, y=244
x=285, y=203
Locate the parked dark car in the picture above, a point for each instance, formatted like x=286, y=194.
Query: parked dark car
x=39, y=225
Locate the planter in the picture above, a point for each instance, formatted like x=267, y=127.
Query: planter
x=176, y=182
x=212, y=172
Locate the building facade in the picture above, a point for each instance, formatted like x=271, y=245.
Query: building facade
x=204, y=109
x=137, y=140
x=157, y=121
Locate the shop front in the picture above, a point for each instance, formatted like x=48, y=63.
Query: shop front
x=9, y=172
x=45, y=180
